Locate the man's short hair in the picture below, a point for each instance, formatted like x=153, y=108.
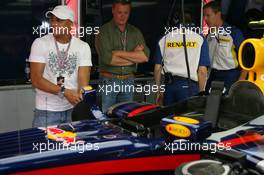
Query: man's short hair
x=177, y=18
x=123, y=2
x=215, y=5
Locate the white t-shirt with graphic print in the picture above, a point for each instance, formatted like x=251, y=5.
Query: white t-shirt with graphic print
x=43, y=50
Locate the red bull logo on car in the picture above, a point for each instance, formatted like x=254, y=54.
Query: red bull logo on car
x=60, y=135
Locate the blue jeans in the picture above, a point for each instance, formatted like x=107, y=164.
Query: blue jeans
x=44, y=118
x=178, y=90
x=113, y=91
x=229, y=77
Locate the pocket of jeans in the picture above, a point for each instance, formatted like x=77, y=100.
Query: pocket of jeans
x=105, y=81
x=40, y=113
x=130, y=81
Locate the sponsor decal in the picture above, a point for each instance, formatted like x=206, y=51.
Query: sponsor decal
x=178, y=130
x=179, y=44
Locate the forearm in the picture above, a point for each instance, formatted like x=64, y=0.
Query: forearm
x=134, y=56
x=157, y=74
x=83, y=76
x=45, y=85
x=243, y=75
x=38, y=81
x=201, y=82
x=202, y=78
x=118, y=61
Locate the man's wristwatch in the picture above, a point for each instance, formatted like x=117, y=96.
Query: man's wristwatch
x=61, y=93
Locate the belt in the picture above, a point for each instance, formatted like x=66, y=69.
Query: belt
x=117, y=76
x=175, y=77
x=216, y=70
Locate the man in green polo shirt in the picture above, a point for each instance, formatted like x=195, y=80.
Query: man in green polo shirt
x=120, y=47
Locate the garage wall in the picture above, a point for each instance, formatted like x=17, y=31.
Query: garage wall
x=17, y=104
x=16, y=107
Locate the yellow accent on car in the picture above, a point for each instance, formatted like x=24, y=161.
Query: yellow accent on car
x=64, y=136
x=186, y=120
x=251, y=59
x=86, y=88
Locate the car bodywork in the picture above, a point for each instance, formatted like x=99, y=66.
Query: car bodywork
x=141, y=138
x=134, y=144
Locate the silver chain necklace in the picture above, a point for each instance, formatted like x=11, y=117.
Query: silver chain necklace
x=62, y=57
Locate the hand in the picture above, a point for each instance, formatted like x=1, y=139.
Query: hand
x=202, y=93
x=72, y=96
x=159, y=98
x=139, y=47
x=114, y=53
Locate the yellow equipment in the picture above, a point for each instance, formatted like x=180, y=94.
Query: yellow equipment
x=251, y=59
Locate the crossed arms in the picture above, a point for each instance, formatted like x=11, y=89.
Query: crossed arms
x=113, y=57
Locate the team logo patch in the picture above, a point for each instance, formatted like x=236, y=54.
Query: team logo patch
x=224, y=39
x=179, y=44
